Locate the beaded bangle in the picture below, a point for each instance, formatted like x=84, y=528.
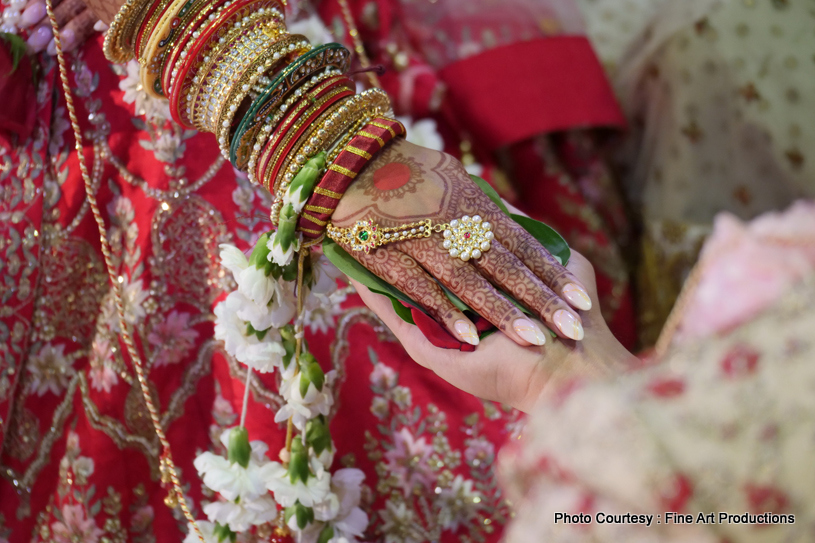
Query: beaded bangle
x=194, y=58
x=270, y=123
x=236, y=96
x=252, y=33
x=319, y=127
x=359, y=151
x=187, y=38
x=291, y=130
x=330, y=55
x=312, y=143
x=118, y=44
x=325, y=132
x=238, y=75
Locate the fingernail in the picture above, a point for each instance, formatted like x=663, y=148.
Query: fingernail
x=67, y=37
x=568, y=324
x=52, y=47
x=99, y=26
x=466, y=332
x=529, y=332
x=40, y=38
x=33, y=14
x=577, y=296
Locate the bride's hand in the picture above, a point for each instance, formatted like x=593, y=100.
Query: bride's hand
x=75, y=21
x=407, y=183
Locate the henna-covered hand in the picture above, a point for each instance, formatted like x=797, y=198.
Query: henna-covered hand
x=76, y=23
x=407, y=183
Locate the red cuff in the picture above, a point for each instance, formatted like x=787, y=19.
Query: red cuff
x=512, y=93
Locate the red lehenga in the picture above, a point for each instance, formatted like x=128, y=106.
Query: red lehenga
x=79, y=457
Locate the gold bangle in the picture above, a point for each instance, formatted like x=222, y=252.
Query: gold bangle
x=221, y=45
x=148, y=57
x=464, y=238
x=229, y=101
x=118, y=44
x=271, y=122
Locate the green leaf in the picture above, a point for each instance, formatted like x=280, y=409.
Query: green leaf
x=353, y=269
x=487, y=189
x=402, y=311
x=546, y=236
x=239, y=450
x=17, y=47
x=326, y=534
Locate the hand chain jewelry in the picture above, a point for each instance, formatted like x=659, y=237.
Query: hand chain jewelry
x=464, y=238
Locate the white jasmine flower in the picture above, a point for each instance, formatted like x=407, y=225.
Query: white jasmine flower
x=280, y=255
x=263, y=354
x=313, y=491
x=256, y=285
x=325, y=276
x=423, y=133
x=277, y=314
x=231, y=480
x=326, y=457
x=313, y=29
x=302, y=408
x=244, y=514
x=233, y=259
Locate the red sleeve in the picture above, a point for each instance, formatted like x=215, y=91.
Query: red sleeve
x=512, y=93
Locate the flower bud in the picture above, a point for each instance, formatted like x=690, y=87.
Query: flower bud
x=239, y=450
x=260, y=254
x=302, y=185
x=222, y=533
x=298, y=464
x=302, y=514
x=312, y=373
x=317, y=434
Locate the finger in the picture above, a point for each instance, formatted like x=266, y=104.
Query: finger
x=401, y=271
x=78, y=29
x=40, y=38
x=506, y=271
x=466, y=283
x=535, y=257
x=33, y=14
x=67, y=10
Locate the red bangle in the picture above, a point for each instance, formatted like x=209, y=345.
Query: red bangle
x=272, y=184
x=197, y=20
x=295, y=113
x=373, y=137
x=214, y=30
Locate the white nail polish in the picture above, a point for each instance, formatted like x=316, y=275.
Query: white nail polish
x=568, y=324
x=52, y=47
x=577, y=296
x=466, y=332
x=33, y=14
x=529, y=332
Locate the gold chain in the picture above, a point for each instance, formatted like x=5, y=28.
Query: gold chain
x=169, y=469
x=364, y=61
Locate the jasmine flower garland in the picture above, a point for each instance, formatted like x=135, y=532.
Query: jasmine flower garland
x=299, y=493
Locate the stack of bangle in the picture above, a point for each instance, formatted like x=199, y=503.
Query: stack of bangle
x=230, y=67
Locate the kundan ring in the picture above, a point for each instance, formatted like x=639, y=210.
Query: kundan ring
x=464, y=238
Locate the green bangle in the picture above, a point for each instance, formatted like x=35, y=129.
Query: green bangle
x=328, y=55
